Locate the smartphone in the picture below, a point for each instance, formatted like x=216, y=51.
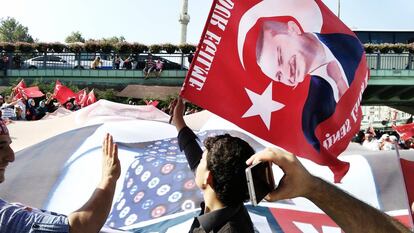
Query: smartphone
x=260, y=181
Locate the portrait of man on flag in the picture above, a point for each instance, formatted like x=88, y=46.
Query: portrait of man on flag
x=287, y=54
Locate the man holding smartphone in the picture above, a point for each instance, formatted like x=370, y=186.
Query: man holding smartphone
x=351, y=214
x=220, y=174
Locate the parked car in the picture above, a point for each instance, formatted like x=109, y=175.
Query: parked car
x=141, y=59
x=65, y=61
x=48, y=62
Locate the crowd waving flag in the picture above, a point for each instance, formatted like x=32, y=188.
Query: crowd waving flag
x=289, y=72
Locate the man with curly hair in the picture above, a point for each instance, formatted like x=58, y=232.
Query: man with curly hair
x=220, y=174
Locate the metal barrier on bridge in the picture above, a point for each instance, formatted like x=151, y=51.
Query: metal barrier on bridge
x=83, y=60
x=380, y=61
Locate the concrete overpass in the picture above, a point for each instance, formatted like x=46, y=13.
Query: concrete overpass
x=391, y=81
x=393, y=88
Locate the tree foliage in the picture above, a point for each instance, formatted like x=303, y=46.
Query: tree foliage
x=12, y=31
x=113, y=40
x=75, y=37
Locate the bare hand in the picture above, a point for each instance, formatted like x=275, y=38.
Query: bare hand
x=179, y=107
x=177, y=116
x=296, y=182
x=111, y=167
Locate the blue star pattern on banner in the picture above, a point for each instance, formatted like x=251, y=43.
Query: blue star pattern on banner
x=158, y=183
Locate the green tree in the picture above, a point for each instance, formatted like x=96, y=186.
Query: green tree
x=75, y=37
x=12, y=31
x=113, y=40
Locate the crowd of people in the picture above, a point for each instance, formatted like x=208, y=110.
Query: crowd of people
x=22, y=108
x=7, y=62
x=150, y=65
x=376, y=140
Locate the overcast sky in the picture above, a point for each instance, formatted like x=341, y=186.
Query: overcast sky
x=156, y=21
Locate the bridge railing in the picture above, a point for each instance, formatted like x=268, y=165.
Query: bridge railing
x=83, y=60
x=379, y=61
x=176, y=61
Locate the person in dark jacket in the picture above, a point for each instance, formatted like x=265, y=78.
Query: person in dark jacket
x=220, y=174
x=31, y=112
x=41, y=110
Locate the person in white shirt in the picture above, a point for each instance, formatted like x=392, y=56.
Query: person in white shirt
x=370, y=142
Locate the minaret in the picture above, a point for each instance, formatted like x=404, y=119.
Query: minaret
x=184, y=19
x=339, y=9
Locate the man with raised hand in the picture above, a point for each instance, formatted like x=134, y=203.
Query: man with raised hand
x=89, y=218
x=220, y=174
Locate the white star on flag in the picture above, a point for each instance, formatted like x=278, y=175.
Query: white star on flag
x=263, y=105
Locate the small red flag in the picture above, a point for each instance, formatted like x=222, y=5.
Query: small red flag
x=405, y=131
x=62, y=93
x=152, y=102
x=32, y=92
x=91, y=98
x=17, y=90
x=407, y=167
x=81, y=97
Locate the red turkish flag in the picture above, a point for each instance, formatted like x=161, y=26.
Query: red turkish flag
x=62, y=93
x=297, y=221
x=289, y=72
x=405, y=131
x=17, y=90
x=407, y=167
x=81, y=97
x=91, y=98
x=151, y=102
x=32, y=92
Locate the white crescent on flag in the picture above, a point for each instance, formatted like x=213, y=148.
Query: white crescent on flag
x=306, y=12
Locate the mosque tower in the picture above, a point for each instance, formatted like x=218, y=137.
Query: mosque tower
x=184, y=20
